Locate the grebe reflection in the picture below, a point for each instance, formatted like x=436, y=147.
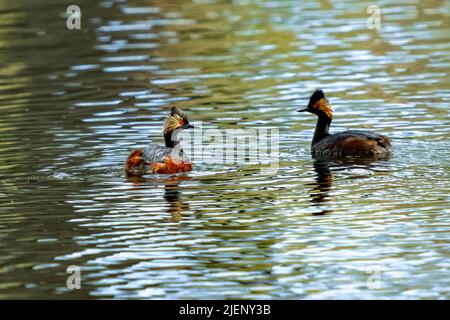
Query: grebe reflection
x=172, y=193
x=323, y=183
x=321, y=186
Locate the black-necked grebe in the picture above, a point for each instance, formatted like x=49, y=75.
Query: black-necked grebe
x=157, y=159
x=351, y=143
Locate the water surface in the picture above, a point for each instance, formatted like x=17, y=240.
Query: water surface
x=73, y=104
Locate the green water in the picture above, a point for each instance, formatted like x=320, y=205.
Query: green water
x=74, y=103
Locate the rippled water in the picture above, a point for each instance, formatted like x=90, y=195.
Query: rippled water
x=73, y=104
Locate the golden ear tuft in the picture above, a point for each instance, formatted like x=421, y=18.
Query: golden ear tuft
x=175, y=120
x=324, y=106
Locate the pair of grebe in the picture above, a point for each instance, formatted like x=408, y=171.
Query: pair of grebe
x=171, y=158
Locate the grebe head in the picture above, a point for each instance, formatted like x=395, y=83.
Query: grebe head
x=319, y=105
x=176, y=120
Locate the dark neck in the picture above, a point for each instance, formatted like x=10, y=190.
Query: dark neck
x=322, y=128
x=170, y=143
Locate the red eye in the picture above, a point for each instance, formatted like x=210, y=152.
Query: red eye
x=182, y=122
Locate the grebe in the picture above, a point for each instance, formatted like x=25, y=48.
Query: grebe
x=166, y=160
x=351, y=143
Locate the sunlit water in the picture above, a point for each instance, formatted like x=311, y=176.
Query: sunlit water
x=73, y=104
